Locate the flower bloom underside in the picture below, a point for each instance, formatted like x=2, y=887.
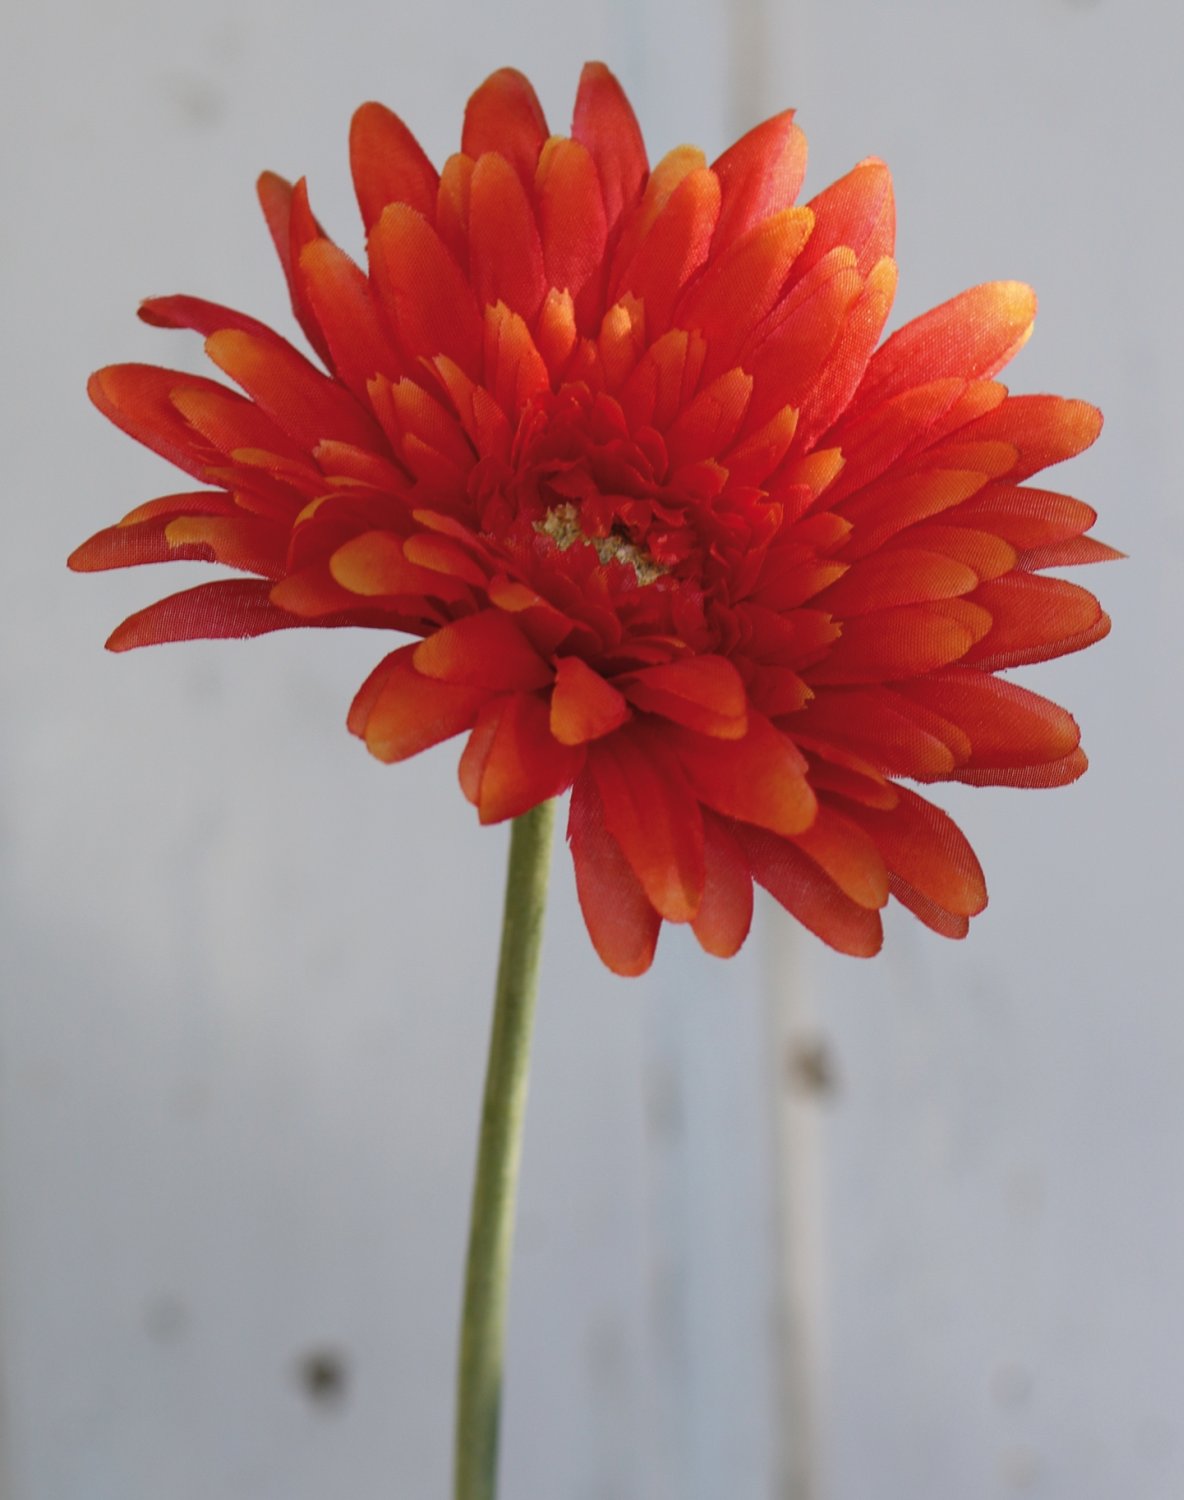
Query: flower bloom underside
x=616, y=447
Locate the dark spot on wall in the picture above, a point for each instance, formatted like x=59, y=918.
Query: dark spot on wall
x=323, y=1375
x=810, y=1067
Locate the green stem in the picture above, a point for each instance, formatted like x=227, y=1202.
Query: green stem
x=491, y=1228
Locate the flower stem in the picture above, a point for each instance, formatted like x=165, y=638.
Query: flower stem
x=491, y=1227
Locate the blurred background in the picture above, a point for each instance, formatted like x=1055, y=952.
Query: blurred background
x=793, y=1227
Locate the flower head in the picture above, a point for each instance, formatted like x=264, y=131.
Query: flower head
x=616, y=447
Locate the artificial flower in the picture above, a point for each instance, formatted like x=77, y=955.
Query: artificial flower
x=616, y=448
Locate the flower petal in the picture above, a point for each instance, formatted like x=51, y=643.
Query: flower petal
x=512, y=762
x=972, y=336
x=621, y=922
x=759, y=176
x=583, y=705
x=399, y=712
x=760, y=779
x=388, y=165
x=650, y=811
x=483, y=650
x=504, y=115
x=605, y=124
x=725, y=913
x=798, y=884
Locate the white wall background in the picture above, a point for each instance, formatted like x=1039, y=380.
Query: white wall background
x=245, y=970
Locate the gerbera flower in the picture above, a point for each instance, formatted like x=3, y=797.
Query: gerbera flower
x=616, y=447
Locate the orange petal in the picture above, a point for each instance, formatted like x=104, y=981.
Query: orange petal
x=583, y=705
x=621, y=922
x=388, y=165
x=704, y=693
x=306, y=404
x=672, y=249
x=483, y=650
x=512, y=762
x=399, y=712
x=743, y=284
x=799, y=885
x=834, y=387
x=846, y=853
x=903, y=576
x=1044, y=429
x=760, y=778
x=972, y=336
x=926, y=848
x=891, y=644
x=725, y=913
x=1034, y=619
x=572, y=223
x=650, y=811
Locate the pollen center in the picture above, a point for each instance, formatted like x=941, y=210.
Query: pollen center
x=562, y=525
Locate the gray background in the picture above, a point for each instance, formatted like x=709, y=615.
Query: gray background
x=245, y=969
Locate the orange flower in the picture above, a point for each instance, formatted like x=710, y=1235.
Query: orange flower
x=616, y=445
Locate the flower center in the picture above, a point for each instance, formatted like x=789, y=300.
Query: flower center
x=562, y=525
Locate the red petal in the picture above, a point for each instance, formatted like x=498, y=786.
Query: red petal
x=725, y=914
x=1025, y=517
x=583, y=705
x=505, y=116
x=138, y=399
x=423, y=289
x=231, y=608
x=604, y=122
x=858, y=212
x=759, y=176
x=876, y=724
x=398, y=712
x=388, y=165
x=621, y=922
x=505, y=252
x=1008, y=726
x=650, y=811
x=1052, y=773
x=292, y=224
x=799, y=885
x=341, y=297
x=512, y=762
